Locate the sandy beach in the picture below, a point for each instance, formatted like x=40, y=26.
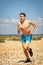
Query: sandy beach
x=11, y=53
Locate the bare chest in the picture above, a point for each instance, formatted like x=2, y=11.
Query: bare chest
x=25, y=25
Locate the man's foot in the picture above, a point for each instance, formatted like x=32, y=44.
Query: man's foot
x=28, y=60
x=31, y=53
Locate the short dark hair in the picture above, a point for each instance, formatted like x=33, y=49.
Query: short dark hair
x=23, y=14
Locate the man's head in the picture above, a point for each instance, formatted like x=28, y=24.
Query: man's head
x=22, y=17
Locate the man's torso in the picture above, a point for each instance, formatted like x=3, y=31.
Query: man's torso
x=25, y=27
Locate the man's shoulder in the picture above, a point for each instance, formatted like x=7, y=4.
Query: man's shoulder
x=18, y=23
x=28, y=21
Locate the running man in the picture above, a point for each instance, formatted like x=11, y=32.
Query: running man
x=26, y=37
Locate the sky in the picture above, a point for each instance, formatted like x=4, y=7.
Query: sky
x=10, y=10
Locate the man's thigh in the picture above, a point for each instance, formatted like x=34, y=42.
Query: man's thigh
x=25, y=45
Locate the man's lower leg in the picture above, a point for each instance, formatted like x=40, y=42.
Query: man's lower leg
x=26, y=53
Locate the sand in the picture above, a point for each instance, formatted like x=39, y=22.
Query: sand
x=11, y=52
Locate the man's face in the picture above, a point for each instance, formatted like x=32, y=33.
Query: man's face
x=22, y=17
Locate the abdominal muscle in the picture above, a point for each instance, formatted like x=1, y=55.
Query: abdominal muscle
x=26, y=31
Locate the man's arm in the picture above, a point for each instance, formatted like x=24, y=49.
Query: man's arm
x=34, y=26
x=18, y=27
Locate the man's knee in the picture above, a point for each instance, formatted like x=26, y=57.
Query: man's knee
x=25, y=48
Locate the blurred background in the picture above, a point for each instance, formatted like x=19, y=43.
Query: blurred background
x=9, y=15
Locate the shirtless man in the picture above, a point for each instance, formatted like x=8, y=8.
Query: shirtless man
x=26, y=37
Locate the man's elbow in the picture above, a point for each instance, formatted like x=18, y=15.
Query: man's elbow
x=18, y=31
x=35, y=25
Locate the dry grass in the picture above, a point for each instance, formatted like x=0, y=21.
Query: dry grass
x=17, y=38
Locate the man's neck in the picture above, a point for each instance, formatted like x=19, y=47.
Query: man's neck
x=22, y=22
